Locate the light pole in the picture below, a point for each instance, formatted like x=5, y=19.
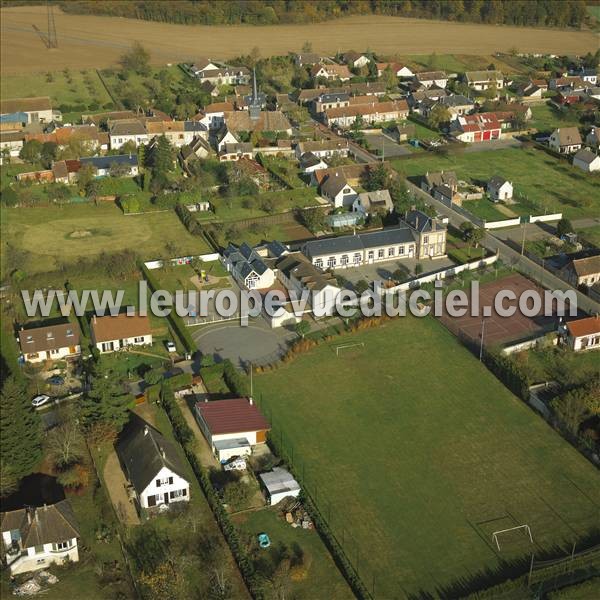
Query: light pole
x=481, y=343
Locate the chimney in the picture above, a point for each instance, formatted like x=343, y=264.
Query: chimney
x=28, y=512
x=146, y=430
x=250, y=401
x=162, y=453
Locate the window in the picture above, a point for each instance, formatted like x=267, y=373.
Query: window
x=69, y=333
x=138, y=340
x=29, y=339
x=380, y=253
x=178, y=494
x=425, y=239
x=49, y=335
x=53, y=351
x=319, y=263
x=344, y=260
x=346, y=191
x=400, y=250
x=357, y=258
x=61, y=546
x=391, y=252
x=331, y=261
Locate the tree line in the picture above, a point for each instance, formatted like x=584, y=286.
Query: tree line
x=549, y=13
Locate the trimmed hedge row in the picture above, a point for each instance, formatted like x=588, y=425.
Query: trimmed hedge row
x=508, y=372
x=236, y=382
x=184, y=435
x=175, y=320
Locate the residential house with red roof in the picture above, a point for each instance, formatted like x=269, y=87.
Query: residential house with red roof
x=584, y=334
x=232, y=426
x=481, y=127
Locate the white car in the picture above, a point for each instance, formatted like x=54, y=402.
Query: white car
x=171, y=347
x=237, y=464
x=40, y=400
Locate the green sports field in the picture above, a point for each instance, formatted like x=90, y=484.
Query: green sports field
x=417, y=454
x=549, y=184
x=53, y=235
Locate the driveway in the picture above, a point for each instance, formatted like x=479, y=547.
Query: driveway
x=382, y=142
x=257, y=343
x=116, y=486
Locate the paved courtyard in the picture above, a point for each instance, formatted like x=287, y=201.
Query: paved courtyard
x=380, y=141
x=383, y=270
x=256, y=343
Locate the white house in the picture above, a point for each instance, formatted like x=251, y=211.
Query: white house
x=338, y=191
x=279, y=484
x=102, y=165
x=396, y=68
x=179, y=133
x=483, y=80
x=115, y=333
x=127, y=130
x=584, y=334
x=232, y=426
x=309, y=163
x=499, y=189
x=373, y=112
x=152, y=465
x=23, y=111
x=248, y=267
x=35, y=538
x=565, y=140
x=299, y=275
x=587, y=160
x=213, y=115
x=226, y=136
x=430, y=78
x=323, y=148
x=356, y=60
x=51, y=342
x=11, y=142
x=331, y=71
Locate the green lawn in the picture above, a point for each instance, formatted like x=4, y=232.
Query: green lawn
x=322, y=578
x=50, y=236
x=420, y=454
x=84, y=91
x=541, y=182
x=546, y=118
x=484, y=209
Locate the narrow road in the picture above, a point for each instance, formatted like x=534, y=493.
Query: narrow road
x=507, y=254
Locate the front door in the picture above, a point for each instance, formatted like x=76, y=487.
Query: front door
x=166, y=497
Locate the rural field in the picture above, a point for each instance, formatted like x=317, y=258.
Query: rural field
x=416, y=465
x=49, y=236
x=548, y=184
x=92, y=41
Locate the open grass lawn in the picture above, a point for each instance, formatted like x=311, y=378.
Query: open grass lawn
x=484, y=209
x=545, y=118
x=85, y=90
x=322, y=578
x=51, y=236
x=547, y=184
x=420, y=453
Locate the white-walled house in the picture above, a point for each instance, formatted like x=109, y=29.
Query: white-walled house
x=430, y=78
x=35, y=538
x=483, y=80
x=233, y=425
x=248, y=267
x=102, y=165
x=324, y=148
x=310, y=163
x=124, y=131
x=338, y=191
x=587, y=161
x=499, y=189
x=50, y=342
x=584, y=334
x=565, y=140
x=152, y=465
x=115, y=333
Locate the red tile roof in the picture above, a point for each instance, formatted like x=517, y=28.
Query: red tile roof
x=583, y=327
x=122, y=326
x=232, y=416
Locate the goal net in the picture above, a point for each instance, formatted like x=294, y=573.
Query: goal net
x=345, y=347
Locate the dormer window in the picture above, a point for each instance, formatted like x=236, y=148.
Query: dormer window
x=30, y=339
x=69, y=333
x=50, y=336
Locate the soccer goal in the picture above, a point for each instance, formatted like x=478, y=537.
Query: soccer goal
x=518, y=527
x=338, y=349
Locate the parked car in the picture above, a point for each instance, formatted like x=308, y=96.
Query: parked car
x=40, y=400
x=237, y=464
x=56, y=380
x=171, y=347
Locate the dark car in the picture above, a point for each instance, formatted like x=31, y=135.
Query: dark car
x=56, y=380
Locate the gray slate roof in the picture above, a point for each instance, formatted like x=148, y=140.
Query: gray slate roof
x=144, y=451
x=105, y=162
x=361, y=241
x=586, y=156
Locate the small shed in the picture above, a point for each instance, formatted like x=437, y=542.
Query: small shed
x=347, y=219
x=279, y=484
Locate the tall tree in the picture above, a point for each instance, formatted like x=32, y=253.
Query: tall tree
x=136, y=59
x=20, y=435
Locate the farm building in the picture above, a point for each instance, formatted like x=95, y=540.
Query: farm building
x=238, y=422
x=279, y=484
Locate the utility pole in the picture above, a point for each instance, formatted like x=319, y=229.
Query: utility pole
x=523, y=241
x=52, y=38
x=481, y=343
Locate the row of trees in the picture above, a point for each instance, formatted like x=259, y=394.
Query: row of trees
x=554, y=13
